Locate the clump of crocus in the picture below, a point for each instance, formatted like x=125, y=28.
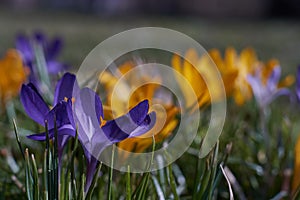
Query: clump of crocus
x=81, y=109
x=40, y=50
x=13, y=74
x=246, y=63
x=266, y=91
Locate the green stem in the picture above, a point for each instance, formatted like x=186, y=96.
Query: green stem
x=109, y=192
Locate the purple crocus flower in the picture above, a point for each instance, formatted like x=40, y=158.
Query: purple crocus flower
x=85, y=113
x=51, y=50
x=95, y=134
x=38, y=110
x=265, y=93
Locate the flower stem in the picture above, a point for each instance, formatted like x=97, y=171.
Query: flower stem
x=109, y=192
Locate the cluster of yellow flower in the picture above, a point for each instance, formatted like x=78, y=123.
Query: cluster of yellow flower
x=232, y=69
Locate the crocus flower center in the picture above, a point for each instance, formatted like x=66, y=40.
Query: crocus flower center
x=72, y=99
x=102, y=122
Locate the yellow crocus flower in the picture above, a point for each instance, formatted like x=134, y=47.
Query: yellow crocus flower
x=201, y=72
x=118, y=104
x=13, y=74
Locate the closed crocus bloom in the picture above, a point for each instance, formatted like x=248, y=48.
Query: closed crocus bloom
x=38, y=43
x=13, y=74
x=118, y=99
x=266, y=92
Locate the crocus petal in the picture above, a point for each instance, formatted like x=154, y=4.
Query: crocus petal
x=55, y=67
x=134, y=123
x=33, y=103
x=64, y=133
x=58, y=113
x=54, y=48
x=274, y=78
x=89, y=103
x=86, y=112
x=37, y=137
x=139, y=112
x=256, y=86
x=65, y=87
x=23, y=45
x=64, y=130
x=281, y=92
x=90, y=170
x=146, y=126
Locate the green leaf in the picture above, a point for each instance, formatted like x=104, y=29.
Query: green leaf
x=172, y=182
x=35, y=178
x=17, y=138
x=28, y=176
x=109, y=190
x=128, y=184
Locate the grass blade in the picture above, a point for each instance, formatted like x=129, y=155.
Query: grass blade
x=35, y=178
x=28, y=176
x=228, y=182
x=172, y=182
x=109, y=191
x=128, y=185
x=17, y=138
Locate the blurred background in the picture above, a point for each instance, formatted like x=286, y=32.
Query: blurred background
x=271, y=27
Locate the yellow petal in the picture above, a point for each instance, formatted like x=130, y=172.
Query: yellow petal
x=296, y=176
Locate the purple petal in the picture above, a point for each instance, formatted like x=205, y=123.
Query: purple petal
x=144, y=127
x=139, y=112
x=64, y=133
x=135, y=123
x=24, y=46
x=66, y=130
x=54, y=48
x=91, y=103
x=64, y=87
x=90, y=169
x=70, y=114
x=33, y=103
x=37, y=137
x=55, y=67
x=60, y=113
x=256, y=85
x=274, y=78
x=281, y=92
x=86, y=113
